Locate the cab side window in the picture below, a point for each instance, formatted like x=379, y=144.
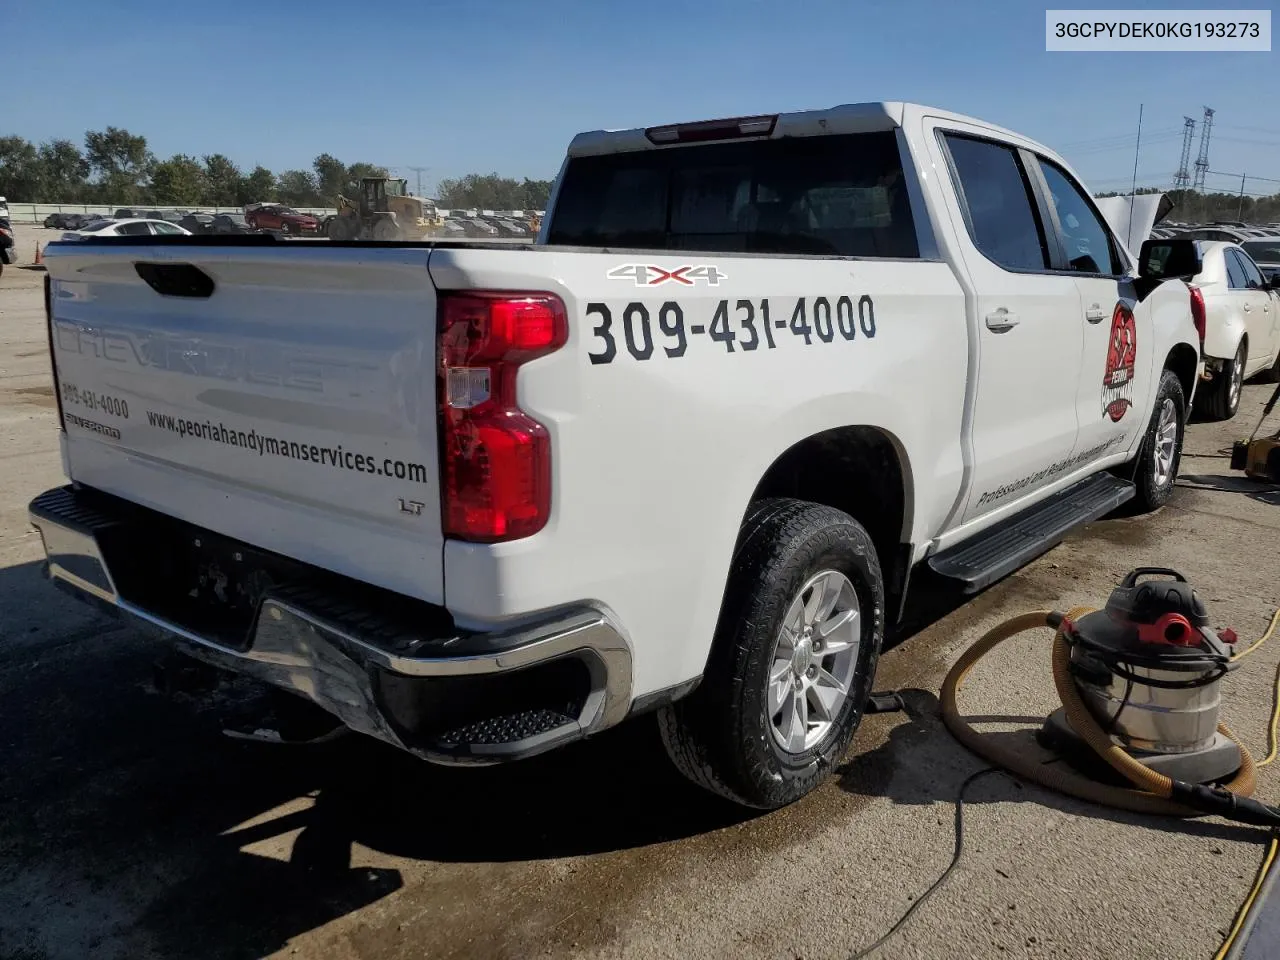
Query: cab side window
x=1000, y=212
x=1089, y=245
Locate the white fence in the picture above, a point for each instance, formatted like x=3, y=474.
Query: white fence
x=36, y=212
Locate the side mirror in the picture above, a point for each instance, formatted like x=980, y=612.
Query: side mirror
x=1166, y=259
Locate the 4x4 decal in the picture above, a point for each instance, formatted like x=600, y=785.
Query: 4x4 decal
x=649, y=275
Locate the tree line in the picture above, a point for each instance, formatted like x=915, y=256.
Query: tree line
x=116, y=168
x=1189, y=206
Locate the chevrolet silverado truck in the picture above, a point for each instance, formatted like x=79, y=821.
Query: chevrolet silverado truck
x=683, y=454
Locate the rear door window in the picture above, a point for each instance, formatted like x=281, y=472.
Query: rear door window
x=1252, y=275
x=840, y=195
x=1001, y=215
x=134, y=230
x=1235, y=272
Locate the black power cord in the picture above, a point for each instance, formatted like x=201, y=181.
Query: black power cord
x=946, y=874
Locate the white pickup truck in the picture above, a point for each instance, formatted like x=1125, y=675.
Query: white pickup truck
x=681, y=454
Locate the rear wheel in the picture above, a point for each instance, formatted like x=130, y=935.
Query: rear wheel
x=1222, y=399
x=792, y=660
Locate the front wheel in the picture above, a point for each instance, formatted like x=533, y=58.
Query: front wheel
x=792, y=660
x=1161, y=452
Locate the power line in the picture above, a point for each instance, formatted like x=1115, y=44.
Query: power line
x=1222, y=173
x=1260, y=143
x=1119, y=137
x=1236, y=126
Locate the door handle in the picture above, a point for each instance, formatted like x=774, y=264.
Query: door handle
x=1095, y=314
x=1248, y=309
x=1001, y=320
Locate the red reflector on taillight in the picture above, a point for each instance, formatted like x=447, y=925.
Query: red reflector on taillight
x=1197, y=312
x=495, y=458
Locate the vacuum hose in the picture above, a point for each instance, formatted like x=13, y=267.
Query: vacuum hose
x=1151, y=792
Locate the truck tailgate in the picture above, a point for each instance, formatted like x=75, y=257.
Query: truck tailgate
x=293, y=406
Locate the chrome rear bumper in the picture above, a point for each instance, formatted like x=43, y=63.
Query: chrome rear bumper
x=449, y=697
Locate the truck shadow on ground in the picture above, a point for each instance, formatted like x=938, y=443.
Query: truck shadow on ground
x=183, y=842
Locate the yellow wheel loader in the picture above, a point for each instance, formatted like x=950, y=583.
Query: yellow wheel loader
x=385, y=210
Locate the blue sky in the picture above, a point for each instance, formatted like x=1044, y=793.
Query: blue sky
x=500, y=85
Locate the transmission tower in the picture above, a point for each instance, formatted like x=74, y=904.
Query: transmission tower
x=419, y=171
x=1182, y=179
x=1202, y=161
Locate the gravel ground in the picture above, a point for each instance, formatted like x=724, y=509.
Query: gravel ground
x=131, y=828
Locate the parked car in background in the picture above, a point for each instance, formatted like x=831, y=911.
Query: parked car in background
x=4, y=210
x=1223, y=234
x=70, y=221
x=197, y=222
x=8, y=245
x=126, y=213
x=1266, y=254
x=230, y=223
x=1240, y=315
x=126, y=228
x=282, y=218
x=478, y=228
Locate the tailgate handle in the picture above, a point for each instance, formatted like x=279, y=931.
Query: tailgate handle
x=176, y=279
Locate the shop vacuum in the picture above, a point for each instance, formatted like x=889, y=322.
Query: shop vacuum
x=1139, y=682
x=1148, y=667
x=1139, y=728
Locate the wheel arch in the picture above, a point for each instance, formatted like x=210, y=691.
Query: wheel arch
x=864, y=471
x=1184, y=362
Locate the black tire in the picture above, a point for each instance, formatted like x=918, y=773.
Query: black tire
x=1221, y=401
x=1272, y=373
x=720, y=736
x=1153, y=492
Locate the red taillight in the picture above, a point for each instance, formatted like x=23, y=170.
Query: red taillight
x=1197, y=312
x=495, y=465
